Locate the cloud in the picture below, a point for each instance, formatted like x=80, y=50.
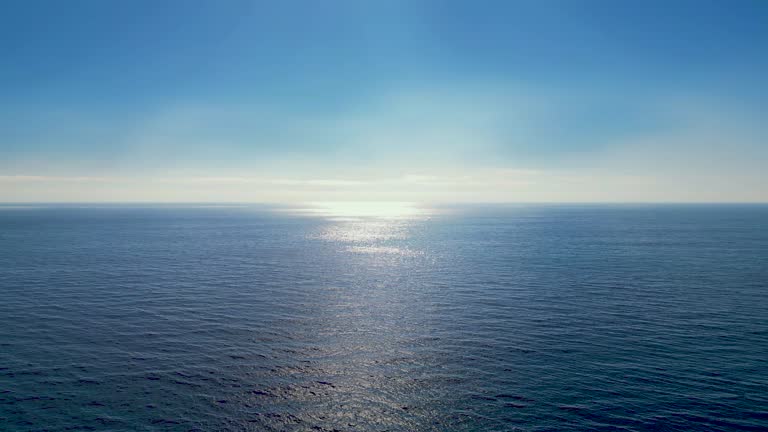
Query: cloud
x=41, y=178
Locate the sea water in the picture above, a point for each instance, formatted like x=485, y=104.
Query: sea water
x=473, y=318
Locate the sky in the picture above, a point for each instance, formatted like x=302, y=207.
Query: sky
x=429, y=101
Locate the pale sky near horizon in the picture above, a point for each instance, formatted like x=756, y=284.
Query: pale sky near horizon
x=418, y=100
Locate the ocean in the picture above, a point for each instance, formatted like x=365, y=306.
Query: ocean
x=332, y=318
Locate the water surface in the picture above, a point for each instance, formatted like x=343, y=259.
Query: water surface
x=531, y=318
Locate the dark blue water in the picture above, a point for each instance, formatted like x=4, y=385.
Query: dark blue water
x=531, y=318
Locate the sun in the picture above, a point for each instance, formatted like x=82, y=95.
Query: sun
x=365, y=209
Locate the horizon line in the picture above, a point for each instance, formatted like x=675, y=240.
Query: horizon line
x=266, y=203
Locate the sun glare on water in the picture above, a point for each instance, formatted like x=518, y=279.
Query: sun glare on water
x=374, y=228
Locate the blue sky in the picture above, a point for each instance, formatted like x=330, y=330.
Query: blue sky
x=395, y=100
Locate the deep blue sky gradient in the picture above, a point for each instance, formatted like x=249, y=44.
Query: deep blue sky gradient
x=85, y=83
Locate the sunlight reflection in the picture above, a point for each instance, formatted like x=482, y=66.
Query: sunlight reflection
x=384, y=250
x=372, y=228
x=387, y=237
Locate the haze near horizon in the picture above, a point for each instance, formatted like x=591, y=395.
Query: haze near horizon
x=405, y=101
